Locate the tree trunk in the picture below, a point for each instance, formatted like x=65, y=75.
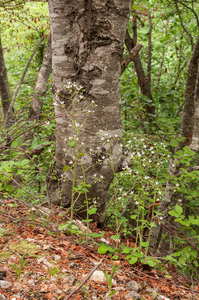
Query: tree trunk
x=87, y=47
x=40, y=90
x=4, y=85
x=188, y=126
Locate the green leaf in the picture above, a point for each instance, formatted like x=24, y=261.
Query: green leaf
x=115, y=236
x=178, y=208
x=65, y=168
x=138, y=254
x=80, y=154
x=71, y=144
x=9, y=188
x=173, y=213
x=103, y=249
x=133, y=217
x=95, y=234
x=144, y=244
x=92, y=211
x=174, y=143
x=112, y=293
x=133, y=260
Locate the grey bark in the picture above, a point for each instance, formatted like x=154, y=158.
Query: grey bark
x=188, y=126
x=39, y=92
x=4, y=85
x=87, y=48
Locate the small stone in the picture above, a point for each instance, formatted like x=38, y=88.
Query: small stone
x=160, y=297
x=53, y=278
x=56, y=257
x=133, y=295
x=142, y=285
x=5, y=284
x=31, y=282
x=98, y=276
x=132, y=286
x=71, y=279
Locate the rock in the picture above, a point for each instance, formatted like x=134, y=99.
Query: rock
x=160, y=297
x=5, y=284
x=56, y=257
x=45, y=262
x=71, y=279
x=31, y=282
x=133, y=295
x=132, y=286
x=152, y=293
x=2, y=297
x=142, y=285
x=98, y=276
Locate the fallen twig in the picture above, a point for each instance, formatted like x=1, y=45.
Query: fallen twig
x=87, y=277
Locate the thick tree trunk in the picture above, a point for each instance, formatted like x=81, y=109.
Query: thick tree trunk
x=40, y=90
x=87, y=47
x=189, y=127
x=4, y=85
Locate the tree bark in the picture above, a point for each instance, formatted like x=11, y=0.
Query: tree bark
x=39, y=92
x=4, y=85
x=87, y=47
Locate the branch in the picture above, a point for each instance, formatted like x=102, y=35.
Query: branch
x=149, y=50
x=130, y=57
x=10, y=110
x=182, y=24
x=87, y=277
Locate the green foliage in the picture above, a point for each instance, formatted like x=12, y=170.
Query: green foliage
x=109, y=279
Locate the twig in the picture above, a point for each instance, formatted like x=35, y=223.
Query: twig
x=87, y=277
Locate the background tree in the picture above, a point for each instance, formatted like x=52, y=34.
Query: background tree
x=88, y=39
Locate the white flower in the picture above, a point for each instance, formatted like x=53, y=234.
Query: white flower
x=95, y=175
x=47, y=123
x=116, y=135
x=161, y=217
x=101, y=176
x=177, y=184
x=180, y=200
x=136, y=202
x=70, y=162
x=102, y=138
x=93, y=101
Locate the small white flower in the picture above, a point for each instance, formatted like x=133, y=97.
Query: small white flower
x=161, y=217
x=116, y=135
x=101, y=176
x=103, y=157
x=180, y=200
x=177, y=184
x=47, y=123
x=95, y=175
x=102, y=138
x=136, y=202
x=70, y=162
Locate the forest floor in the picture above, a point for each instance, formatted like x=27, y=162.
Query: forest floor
x=36, y=262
